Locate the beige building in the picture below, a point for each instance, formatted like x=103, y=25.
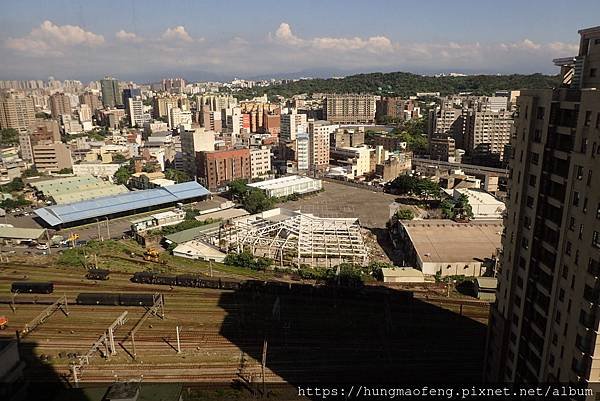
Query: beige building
x=260, y=161
x=59, y=105
x=349, y=109
x=197, y=140
x=544, y=325
x=318, y=145
x=16, y=111
x=52, y=157
x=291, y=124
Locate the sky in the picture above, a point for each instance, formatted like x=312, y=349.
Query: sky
x=146, y=40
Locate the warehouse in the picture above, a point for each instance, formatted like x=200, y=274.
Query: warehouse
x=17, y=235
x=296, y=239
x=121, y=204
x=285, y=186
x=449, y=248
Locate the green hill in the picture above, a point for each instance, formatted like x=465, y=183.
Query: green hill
x=405, y=84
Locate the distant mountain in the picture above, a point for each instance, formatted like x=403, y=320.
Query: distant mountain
x=406, y=84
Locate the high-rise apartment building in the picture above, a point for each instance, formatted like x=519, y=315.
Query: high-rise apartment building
x=135, y=111
x=52, y=157
x=260, y=161
x=349, y=109
x=91, y=99
x=544, y=325
x=217, y=168
x=319, y=145
x=16, y=111
x=59, y=105
x=111, y=94
x=193, y=141
x=291, y=123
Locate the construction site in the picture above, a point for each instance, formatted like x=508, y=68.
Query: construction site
x=128, y=331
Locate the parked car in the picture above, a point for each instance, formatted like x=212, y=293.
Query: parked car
x=42, y=247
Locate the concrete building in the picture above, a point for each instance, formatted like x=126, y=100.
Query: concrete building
x=485, y=288
x=544, y=325
x=389, y=143
x=217, y=168
x=303, y=151
x=192, y=142
x=52, y=157
x=349, y=109
x=347, y=137
x=161, y=106
x=95, y=169
x=358, y=159
x=111, y=93
x=91, y=100
x=318, y=147
x=260, y=161
x=135, y=111
x=402, y=275
x=291, y=124
x=158, y=220
x=442, y=147
x=284, y=186
x=448, y=248
x=394, y=166
x=16, y=111
x=59, y=104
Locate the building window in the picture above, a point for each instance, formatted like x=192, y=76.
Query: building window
x=572, y=224
x=579, y=172
x=532, y=180
x=593, y=72
x=589, y=178
x=575, y=198
x=535, y=158
x=568, y=248
x=596, y=239
x=529, y=202
x=588, y=118
x=540, y=113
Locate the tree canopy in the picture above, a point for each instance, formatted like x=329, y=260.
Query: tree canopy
x=9, y=136
x=406, y=84
x=411, y=185
x=176, y=175
x=252, y=199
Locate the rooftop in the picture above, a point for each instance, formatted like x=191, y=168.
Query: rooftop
x=487, y=282
x=401, y=272
x=89, y=209
x=78, y=188
x=445, y=241
x=21, y=233
x=281, y=182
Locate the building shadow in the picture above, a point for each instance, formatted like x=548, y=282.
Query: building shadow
x=394, y=254
x=349, y=337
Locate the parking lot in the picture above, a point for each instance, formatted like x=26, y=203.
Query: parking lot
x=339, y=200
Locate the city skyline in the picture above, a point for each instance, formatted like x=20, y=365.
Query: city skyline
x=81, y=41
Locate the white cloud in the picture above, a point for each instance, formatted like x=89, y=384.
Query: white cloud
x=125, y=36
x=52, y=39
x=177, y=33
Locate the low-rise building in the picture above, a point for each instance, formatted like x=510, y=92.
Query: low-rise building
x=52, y=157
x=449, y=248
x=402, y=275
x=260, y=161
x=396, y=165
x=157, y=220
x=485, y=288
x=483, y=204
x=359, y=158
x=217, y=168
x=95, y=169
x=284, y=186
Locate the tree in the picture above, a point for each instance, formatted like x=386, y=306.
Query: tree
x=255, y=201
x=405, y=214
x=404, y=184
x=9, y=136
x=65, y=171
x=238, y=189
x=122, y=175
x=15, y=185
x=119, y=158
x=462, y=208
x=30, y=172
x=375, y=269
x=447, y=207
x=425, y=188
x=176, y=175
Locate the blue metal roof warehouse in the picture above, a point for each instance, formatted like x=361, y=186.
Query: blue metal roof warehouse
x=121, y=203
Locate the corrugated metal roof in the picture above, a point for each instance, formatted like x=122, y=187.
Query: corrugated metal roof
x=78, y=188
x=21, y=233
x=191, y=233
x=60, y=214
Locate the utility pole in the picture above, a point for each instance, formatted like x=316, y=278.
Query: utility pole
x=264, y=362
x=98, y=225
x=48, y=241
x=178, y=345
x=210, y=267
x=107, y=228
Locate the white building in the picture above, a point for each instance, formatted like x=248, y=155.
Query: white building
x=135, y=109
x=483, y=204
x=302, y=151
x=291, y=125
x=194, y=141
x=358, y=157
x=96, y=169
x=260, y=161
x=284, y=186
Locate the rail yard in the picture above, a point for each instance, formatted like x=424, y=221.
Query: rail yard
x=225, y=335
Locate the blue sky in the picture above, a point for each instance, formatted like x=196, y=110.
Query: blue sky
x=143, y=40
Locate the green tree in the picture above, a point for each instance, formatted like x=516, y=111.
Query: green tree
x=425, y=188
x=122, y=175
x=255, y=201
x=238, y=189
x=15, y=185
x=31, y=172
x=375, y=269
x=176, y=175
x=9, y=137
x=119, y=158
x=447, y=207
x=462, y=208
x=65, y=171
x=405, y=214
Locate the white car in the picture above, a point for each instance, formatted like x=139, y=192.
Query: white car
x=42, y=247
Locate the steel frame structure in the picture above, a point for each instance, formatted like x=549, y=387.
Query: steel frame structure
x=307, y=239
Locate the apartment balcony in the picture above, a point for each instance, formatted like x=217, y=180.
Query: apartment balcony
x=592, y=295
x=590, y=319
x=582, y=367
